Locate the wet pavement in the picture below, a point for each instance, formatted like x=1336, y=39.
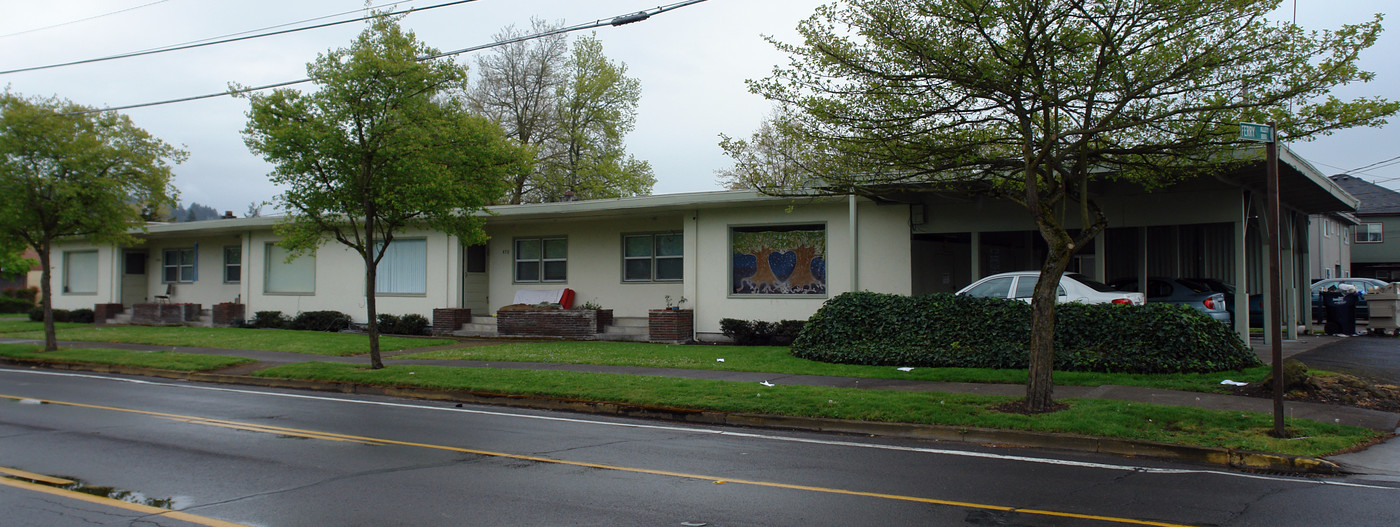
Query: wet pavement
x=1375, y=357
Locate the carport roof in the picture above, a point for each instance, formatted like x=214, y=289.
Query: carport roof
x=1301, y=185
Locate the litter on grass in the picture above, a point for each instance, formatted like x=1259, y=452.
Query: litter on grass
x=1234, y=383
x=905, y=368
x=766, y=383
x=719, y=360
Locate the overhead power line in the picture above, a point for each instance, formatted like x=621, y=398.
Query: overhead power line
x=93, y=17
x=225, y=41
x=614, y=21
x=1377, y=164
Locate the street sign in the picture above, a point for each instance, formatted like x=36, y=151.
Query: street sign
x=1257, y=132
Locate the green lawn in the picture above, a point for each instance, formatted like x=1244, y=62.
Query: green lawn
x=779, y=360
x=165, y=360
x=1104, y=418
x=311, y=342
x=16, y=325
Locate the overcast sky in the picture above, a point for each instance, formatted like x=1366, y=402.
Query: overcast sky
x=692, y=63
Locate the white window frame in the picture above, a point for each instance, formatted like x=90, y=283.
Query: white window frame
x=185, y=272
x=274, y=261
x=652, y=258
x=70, y=278
x=236, y=265
x=542, y=261
x=1364, y=232
x=403, y=271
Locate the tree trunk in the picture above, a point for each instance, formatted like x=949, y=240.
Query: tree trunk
x=1040, y=384
x=46, y=297
x=371, y=272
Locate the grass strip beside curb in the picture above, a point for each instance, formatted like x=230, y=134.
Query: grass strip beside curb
x=164, y=360
x=1090, y=417
x=771, y=359
x=309, y=342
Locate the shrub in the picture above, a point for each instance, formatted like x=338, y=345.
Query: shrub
x=387, y=323
x=268, y=320
x=413, y=324
x=410, y=324
x=81, y=316
x=37, y=315
x=320, y=321
x=944, y=330
x=761, y=333
x=25, y=293
x=9, y=304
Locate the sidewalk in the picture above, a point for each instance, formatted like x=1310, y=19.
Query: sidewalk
x=1379, y=459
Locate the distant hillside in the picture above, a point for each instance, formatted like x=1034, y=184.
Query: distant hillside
x=195, y=212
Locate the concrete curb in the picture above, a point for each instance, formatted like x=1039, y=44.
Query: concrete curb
x=1233, y=458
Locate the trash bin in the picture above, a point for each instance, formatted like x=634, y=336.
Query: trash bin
x=1340, y=309
x=1384, y=306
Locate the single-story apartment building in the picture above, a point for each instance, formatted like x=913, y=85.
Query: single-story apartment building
x=729, y=254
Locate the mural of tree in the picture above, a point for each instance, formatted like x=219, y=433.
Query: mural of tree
x=784, y=262
x=807, y=246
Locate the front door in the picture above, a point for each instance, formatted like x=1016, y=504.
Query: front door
x=475, y=284
x=134, y=280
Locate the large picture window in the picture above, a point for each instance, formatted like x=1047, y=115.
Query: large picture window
x=295, y=277
x=80, y=272
x=1370, y=233
x=541, y=259
x=178, y=265
x=404, y=268
x=652, y=257
x=778, y=260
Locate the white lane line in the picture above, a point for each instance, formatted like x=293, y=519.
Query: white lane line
x=745, y=435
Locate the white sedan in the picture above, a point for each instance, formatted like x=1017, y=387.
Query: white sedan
x=1074, y=287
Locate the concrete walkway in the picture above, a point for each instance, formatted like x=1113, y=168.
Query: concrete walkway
x=1380, y=459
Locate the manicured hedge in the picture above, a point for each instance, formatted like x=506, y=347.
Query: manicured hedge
x=944, y=330
x=331, y=321
x=410, y=324
x=761, y=333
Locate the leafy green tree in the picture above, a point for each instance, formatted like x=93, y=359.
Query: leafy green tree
x=596, y=109
x=68, y=170
x=1034, y=100
x=384, y=144
x=770, y=160
x=517, y=87
x=573, y=107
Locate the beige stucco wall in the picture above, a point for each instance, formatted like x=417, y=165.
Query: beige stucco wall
x=69, y=300
x=594, y=261
x=882, y=245
x=210, y=287
x=340, y=280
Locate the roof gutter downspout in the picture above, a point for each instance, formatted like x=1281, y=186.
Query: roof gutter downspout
x=854, y=241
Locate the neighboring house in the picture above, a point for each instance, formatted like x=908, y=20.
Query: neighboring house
x=1330, y=248
x=732, y=254
x=1375, y=251
x=29, y=279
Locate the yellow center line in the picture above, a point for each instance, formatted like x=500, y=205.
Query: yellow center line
x=330, y=436
x=137, y=507
x=35, y=477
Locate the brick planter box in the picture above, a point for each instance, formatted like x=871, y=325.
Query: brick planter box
x=578, y=324
x=101, y=313
x=227, y=314
x=605, y=318
x=164, y=314
x=449, y=319
x=671, y=325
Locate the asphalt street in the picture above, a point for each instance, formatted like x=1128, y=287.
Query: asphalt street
x=270, y=457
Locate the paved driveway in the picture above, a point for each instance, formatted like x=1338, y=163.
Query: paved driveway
x=1365, y=356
